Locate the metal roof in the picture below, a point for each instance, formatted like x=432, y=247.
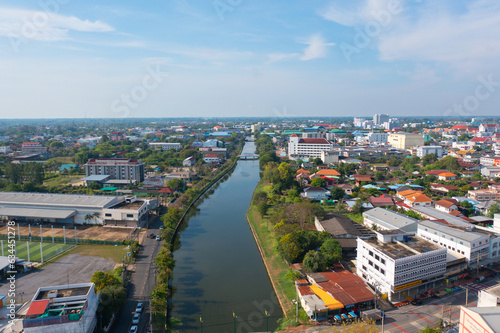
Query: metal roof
x=57, y=200
x=468, y=236
x=437, y=214
x=337, y=225
x=491, y=315
x=389, y=219
x=97, y=178
x=38, y=213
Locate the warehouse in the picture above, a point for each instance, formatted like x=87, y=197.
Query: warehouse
x=70, y=208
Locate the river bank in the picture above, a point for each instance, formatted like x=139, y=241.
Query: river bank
x=277, y=269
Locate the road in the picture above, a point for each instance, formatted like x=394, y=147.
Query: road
x=141, y=283
x=412, y=319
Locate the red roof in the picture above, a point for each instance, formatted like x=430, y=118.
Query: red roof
x=165, y=190
x=381, y=199
x=447, y=203
x=434, y=172
x=476, y=139
x=459, y=127
x=314, y=141
x=37, y=307
x=211, y=155
x=362, y=178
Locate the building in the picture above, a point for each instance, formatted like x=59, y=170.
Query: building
x=489, y=297
x=481, y=320
x=68, y=308
x=32, y=147
x=405, y=140
x=90, y=142
x=471, y=244
x=5, y=149
x=117, y=136
x=303, y=148
x=425, y=150
x=386, y=219
x=188, y=162
x=211, y=158
x=165, y=145
x=377, y=137
x=446, y=176
x=212, y=143
x=329, y=157
x=70, y=208
x=399, y=265
x=379, y=119
x=128, y=170
x=315, y=193
x=491, y=193
x=446, y=205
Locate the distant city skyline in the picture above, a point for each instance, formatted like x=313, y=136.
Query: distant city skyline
x=221, y=58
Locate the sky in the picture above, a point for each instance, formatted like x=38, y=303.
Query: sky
x=280, y=58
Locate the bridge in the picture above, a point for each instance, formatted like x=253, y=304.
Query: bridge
x=248, y=157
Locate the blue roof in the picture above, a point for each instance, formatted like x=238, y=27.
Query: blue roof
x=96, y=178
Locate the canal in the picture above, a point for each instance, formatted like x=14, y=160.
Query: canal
x=218, y=268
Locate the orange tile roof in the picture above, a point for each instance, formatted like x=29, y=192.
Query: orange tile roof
x=447, y=174
x=303, y=171
x=328, y=172
x=408, y=192
x=37, y=307
x=419, y=197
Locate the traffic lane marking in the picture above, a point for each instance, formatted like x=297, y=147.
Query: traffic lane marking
x=422, y=317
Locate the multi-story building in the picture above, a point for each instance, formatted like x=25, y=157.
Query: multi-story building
x=377, y=137
x=491, y=193
x=386, y=219
x=5, y=149
x=32, y=147
x=405, y=140
x=489, y=160
x=299, y=148
x=399, y=265
x=118, y=168
x=330, y=157
x=358, y=122
x=425, y=150
x=489, y=297
x=117, y=136
x=379, y=119
x=464, y=241
x=476, y=319
x=165, y=145
x=68, y=308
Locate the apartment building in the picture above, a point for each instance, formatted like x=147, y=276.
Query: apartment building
x=165, y=145
x=32, y=147
x=129, y=170
x=425, y=150
x=399, y=265
x=491, y=193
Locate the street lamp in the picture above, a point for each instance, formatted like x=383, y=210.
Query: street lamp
x=201, y=325
x=234, y=322
x=267, y=321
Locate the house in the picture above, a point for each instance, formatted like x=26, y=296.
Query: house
x=382, y=201
x=443, y=189
x=362, y=178
x=188, y=162
x=418, y=199
x=315, y=193
x=211, y=158
x=446, y=205
x=447, y=176
x=303, y=172
x=328, y=173
x=346, y=187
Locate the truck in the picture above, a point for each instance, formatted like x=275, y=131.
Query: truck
x=373, y=314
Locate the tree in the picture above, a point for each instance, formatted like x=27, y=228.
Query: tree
x=494, y=209
x=259, y=196
x=337, y=193
x=431, y=330
x=332, y=250
x=176, y=184
x=314, y=261
x=262, y=208
x=56, y=145
x=103, y=279
x=318, y=182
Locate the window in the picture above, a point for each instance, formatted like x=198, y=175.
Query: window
x=370, y=263
x=364, y=267
x=108, y=214
x=382, y=271
x=377, y=257
x=130, y=215
x=370, y=253
x=383, y=261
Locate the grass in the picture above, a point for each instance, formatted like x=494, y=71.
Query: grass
x=49, y=250
x=277, y=268
x=115, y=253
x=62, y=180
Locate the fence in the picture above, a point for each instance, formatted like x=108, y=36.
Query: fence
x=61, y=240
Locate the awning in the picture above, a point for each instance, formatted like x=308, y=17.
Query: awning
x=37, y=307
x=37, y=213
x=409, y=298
x=329, y=301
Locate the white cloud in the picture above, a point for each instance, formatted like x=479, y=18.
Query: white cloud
x=316, y=49
x=44, y=26
x=277, y=57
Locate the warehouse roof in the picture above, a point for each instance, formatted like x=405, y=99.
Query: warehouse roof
x=389, y=219
x=461, y=233
x=37, y=213
x=61, y=200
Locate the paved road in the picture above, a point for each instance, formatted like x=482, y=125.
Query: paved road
x=142, y=282
x=412, y=319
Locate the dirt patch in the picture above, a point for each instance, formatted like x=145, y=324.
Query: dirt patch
x=83, y=232
x=72, y=268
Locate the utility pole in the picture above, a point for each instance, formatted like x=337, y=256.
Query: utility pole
x=383, y=317
x=466, y=296
x=150, y=316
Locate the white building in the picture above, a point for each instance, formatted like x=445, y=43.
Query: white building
x=211, y=158
x=307, y=147
x=330, y=157
x=386, y=219
x=5, y=149
x=399, y=265
x=165, y=145
x=189, y=161
x=460, y=240
x=124, y=169
x=379, y=119
x=481, y=320
x=373, y=137
x=70, y=208
x=358, y=122
x=425, y=150
x=489, y=297
x=68, y=308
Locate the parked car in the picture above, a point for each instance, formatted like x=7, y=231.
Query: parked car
x=136, y=318
x=417, y=302
x=139, y=307
x=440, y=294
x=133, y=329
x=158, y=237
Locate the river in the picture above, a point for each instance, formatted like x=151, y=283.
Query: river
x=218, y=268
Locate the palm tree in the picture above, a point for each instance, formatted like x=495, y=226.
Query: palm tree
x=88, y=217
x=95, y=216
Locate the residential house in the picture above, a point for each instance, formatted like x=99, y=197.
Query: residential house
x=315, y=193
x=446, y=205
x=188, y=162
x=443, y=189
x=446, y=176
x=211, y=158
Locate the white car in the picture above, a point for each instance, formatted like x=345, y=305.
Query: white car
x=139, y=307
x=136, y=318
x=133, y=329
x=158, y=237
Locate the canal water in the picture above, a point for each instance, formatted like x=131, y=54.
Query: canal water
x=218, y=268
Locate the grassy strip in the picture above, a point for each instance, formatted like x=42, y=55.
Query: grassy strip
x=49, y=250
x=104, y=251
x=277, y=268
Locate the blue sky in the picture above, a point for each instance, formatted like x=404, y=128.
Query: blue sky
x=181, y=58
